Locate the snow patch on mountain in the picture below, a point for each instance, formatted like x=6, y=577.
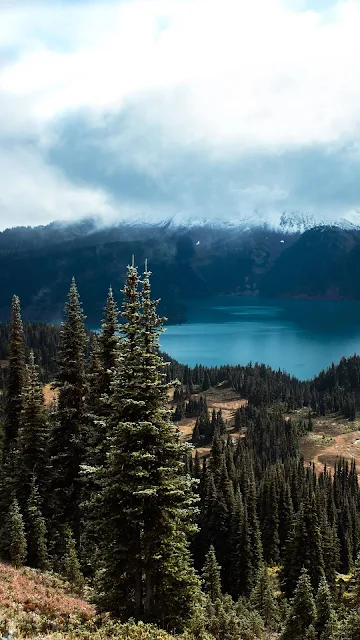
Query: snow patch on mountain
x=286, y=222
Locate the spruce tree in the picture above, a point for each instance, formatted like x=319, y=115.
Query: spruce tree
x=303, y=549
x=37, y=554
x=15, y=378
x=16, y=536
x=33, y=439
x=147, y=503
x=71, y=564
x=109, y=345
x=211, y=576
x=303, y=612
x=67, y=437
x=263, y=599
x=324, y=609
x=331, y=629
x=310, y=633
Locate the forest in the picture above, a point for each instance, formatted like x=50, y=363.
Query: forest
x=98, y=487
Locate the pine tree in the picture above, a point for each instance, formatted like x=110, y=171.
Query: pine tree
x=263, y=599
x=310, y=633
x=211, y=576
x=15, y=379
x=67, y=437
x=33, y=439
x=302, y=613
x=16, y=536
x=71, y=564
x=303, y=549
x=351, y=629
x=109, y=344
x=331, y=629
x=37, y=555
x=146, y=505
x=324, y=609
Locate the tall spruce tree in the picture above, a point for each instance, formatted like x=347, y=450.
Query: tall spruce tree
x=302, y=614
x=16, y=536
x=37, y=553
x=324, y=608
x=109, y=344
x=67, y=437
x=15, y=378
x=263, y=599
x=33, y=439
x=211, y=576
x=147, y=503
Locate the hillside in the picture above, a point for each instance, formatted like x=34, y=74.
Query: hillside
x=186, y=263
x=42, y=606
x=323, y=263
x=194, y=262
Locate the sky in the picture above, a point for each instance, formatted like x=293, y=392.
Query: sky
x=184, y=109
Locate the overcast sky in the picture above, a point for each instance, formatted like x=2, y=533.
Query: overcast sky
x=193, y=108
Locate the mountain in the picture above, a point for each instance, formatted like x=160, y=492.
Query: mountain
x=323, y=263
x=187, y=263
x=38, y=264
x=95, y=229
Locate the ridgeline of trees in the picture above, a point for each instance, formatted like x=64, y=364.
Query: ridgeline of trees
x=249, y=543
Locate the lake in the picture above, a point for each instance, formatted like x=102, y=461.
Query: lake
x=301, y=337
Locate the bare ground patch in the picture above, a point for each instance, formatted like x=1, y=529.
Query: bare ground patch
x=186, y=427
x=333, y=438
x=50, y=394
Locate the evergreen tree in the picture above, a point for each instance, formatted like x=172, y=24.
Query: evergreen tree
x=211, y=576
x=324, y=609
x=109, y=345
x=310, y=633
x=33, y=439
x=37, y=554
x=263, y=599
x=67, y=437
x=146, y=505
x=71, y=564
x=351, y=629
x=15, y=378
x=16, y=536
x=303, y=549
x=331, y=629
x=302, y=613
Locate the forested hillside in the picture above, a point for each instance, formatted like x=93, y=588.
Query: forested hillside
x=234, y=536
x=186, y=263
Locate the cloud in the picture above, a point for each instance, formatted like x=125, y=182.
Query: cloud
x=33, y=192
x=178, y=107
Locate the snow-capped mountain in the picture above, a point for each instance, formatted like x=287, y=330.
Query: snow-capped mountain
x=287, y=222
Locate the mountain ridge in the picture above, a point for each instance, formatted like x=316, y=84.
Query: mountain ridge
x=187, y=263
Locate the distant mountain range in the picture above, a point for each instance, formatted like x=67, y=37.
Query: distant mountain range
x=292, y=258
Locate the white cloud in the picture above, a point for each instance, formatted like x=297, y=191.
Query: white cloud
x=33, y=193
x=243, y=73
x=230, y=77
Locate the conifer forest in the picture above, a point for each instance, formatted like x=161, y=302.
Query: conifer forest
x=228, y=535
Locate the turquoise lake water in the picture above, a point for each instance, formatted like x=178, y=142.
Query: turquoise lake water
x=301, y=337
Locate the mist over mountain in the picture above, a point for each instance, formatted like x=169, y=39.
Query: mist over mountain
x=188, y=262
